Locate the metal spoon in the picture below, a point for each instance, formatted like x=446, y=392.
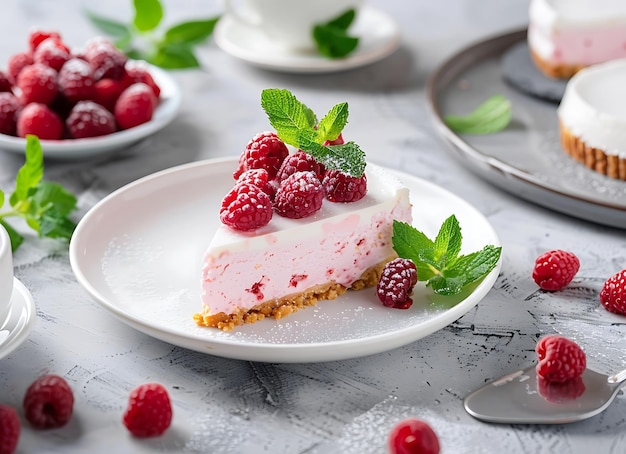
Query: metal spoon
x=524, y=398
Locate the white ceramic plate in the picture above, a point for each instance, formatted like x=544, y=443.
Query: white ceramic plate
x=526, y=158
x=378, y=33
x=18, y=324
x=73, y=149
x=139, y=253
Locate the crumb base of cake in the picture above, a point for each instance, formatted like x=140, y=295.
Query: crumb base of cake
x=594, y=158
x=281, y=307
x=555, y=70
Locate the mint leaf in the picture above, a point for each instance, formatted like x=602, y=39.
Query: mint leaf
x=109, y=26
x=294, y=124
x=333, y=122
x=192, y=32
x=31, y=173
x=44, y=205
x=148, y=14
x=438, y=261
x=491, y=116
x=173, y=56
x=332, y=39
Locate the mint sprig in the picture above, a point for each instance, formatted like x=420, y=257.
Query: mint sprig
x=140, y=39
x=44, y=205
x=332, y=38
x=438, y=261
x=297, y=125
x=491, y=116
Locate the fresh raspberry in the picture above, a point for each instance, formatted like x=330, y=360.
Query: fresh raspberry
x=9, y=106
x=37, y=83
x=53, y=53
x=341, y=187
x=149, y=411
x=76, y=81
x=39, y=120
x=555, y=269
x=396, y=283
x=300, y=161
x=5, y=83
x=136, y=71
x=36, y=37
x=106, y=60
x=88, y=119
x=260, y=178
x=48, y=402
x=299, y=195
x=16, y=63
x=135, y=106
x=413, y=436
x=107, y=91
x=264, y=151
x=10, y=427
x=337, y=141
x=613, y=293
x=246, y=207
x=560, y=359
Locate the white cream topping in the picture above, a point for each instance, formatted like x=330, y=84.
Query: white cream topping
x=594, y=106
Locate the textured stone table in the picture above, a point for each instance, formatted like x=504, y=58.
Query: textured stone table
x=224, y=405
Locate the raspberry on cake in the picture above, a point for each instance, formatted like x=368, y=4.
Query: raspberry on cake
x=592, y=118
x=565, y=36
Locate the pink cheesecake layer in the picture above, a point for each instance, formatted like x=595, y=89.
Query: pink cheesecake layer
x=290, y=256
x=579, y=46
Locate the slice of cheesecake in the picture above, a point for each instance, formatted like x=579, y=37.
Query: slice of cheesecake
x=292, y=263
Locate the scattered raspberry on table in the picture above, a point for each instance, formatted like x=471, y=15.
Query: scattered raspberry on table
x=613, y=293
x=149, y=412
x=10, y=427
x=48, y=402
x=413, y=436
x=555, y=269
x=560, y=359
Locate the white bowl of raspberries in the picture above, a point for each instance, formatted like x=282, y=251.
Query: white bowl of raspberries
x=81, y=102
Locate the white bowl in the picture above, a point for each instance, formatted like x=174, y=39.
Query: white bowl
x=76, y=149
x=6, y=274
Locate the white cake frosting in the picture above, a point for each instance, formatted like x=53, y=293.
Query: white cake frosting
x=337, y=244
x=577, y=31
x=593, y=107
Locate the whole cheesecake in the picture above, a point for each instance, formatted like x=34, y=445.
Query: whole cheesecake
x=292, y=263
x=565, y=36
x=592, y=118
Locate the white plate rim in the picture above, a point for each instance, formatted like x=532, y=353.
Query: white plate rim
x=273, y=352
x=19, y=325
x=280, y=60
x=169, y=105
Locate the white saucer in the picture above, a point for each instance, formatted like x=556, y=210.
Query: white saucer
x=379, y=36
x=15, y=328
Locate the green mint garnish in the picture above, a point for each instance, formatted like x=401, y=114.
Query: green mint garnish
x=172, y=49
x=332, y=39
x=491, y=116
x=44, y=205
x=438, y=261
x=297, y=125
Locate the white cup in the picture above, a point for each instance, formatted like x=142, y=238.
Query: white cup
x=289, y=22
x=6, y=274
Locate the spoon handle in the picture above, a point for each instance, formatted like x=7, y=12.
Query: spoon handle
x=618, y=377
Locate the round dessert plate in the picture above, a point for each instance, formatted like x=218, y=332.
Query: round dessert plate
x=379, y=36
x=526, y=158
x=75, y=149
x=20, y=321
x=139, y=252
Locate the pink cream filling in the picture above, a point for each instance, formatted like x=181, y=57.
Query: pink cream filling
x=586, y=47
x=348, y=248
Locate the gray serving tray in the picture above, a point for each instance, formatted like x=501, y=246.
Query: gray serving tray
x=526, y=158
